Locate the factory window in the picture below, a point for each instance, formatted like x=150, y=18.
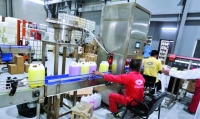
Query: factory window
x=197, y=49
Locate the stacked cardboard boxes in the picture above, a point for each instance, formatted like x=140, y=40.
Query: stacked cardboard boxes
x=12, y=68
x=18, y=67
x=19, y=61
x=89, y=57
x=26, y=66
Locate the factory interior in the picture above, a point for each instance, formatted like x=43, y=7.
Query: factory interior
x=99, y=59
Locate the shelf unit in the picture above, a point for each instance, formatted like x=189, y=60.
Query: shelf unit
x=163, y=52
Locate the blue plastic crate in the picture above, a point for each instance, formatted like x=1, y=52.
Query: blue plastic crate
x=6, y=57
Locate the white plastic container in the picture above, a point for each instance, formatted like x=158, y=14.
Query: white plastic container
x=99, y=99
x=91, y=100
x=96, y=101
x=84, y=99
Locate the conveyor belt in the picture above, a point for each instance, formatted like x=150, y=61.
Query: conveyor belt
x=22, y=95
x=16, y=49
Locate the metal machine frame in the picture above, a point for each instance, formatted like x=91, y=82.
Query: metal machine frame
x=124, y=27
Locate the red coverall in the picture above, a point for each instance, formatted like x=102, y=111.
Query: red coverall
x=134, y=89
x=196, y=98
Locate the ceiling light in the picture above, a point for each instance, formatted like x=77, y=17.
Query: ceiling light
x=37, y=1
x=173, y=29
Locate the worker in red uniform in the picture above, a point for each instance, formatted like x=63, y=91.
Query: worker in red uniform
x=134, y=88
x=195, y=99
x=189, y=74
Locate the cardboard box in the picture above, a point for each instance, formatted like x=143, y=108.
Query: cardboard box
x=12, y=68
x=20, y=69
x=81, y=92
x=19, y=60
x=90, y=57
x=94, y=43
x=75, y=53
x=83, y=55
x=96, y=48
x=191, y=85
x=81, y=60
x=89, y=48
x=26, y=66
x=13, y=56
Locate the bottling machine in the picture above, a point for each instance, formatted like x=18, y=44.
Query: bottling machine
x=124, y=29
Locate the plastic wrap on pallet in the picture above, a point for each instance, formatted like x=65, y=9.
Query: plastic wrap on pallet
x=11, y=20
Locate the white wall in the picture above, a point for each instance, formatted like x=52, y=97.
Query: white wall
x=194, y=6
x=24, y=9
x=168, y=34
x=3, y=8
x=161, y=6
x=190, y=34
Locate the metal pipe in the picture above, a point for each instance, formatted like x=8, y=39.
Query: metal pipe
x=74, y=98
x=38, y=110
x=43, y=53
x=7, y=8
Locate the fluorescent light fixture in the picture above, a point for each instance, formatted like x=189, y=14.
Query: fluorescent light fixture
x=172, y=29
x=38, y=1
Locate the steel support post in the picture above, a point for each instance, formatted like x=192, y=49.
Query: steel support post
x=56, y=58
x=64, y=60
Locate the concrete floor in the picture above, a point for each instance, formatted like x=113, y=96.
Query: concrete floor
x=176, y=112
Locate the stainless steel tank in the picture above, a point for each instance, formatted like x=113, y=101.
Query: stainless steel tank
x=124, y=29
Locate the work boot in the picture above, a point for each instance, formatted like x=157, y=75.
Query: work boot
x=112, y=116
x=188, y=111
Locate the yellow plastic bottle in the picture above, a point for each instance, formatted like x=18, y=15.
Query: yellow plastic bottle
x=104, y=66
x=85, y=68
x=36, y=75
x=114, y=67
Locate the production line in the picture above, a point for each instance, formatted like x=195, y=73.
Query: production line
x=130, y=48
x=123, y=70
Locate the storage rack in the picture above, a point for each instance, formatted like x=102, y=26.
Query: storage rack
x=164, y=47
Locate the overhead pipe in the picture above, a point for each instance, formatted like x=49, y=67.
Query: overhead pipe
x=9, y=9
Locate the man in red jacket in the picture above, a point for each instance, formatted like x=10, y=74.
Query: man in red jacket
x=134, y=88
x=195, y=100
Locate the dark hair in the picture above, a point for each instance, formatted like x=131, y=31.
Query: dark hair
x=154, y=52
x=134, y=64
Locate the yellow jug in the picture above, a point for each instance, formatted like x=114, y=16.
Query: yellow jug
x=104, y=66
x=36, y=75
x=85, y=68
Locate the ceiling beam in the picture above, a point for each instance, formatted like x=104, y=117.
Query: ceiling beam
x=56, y=1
